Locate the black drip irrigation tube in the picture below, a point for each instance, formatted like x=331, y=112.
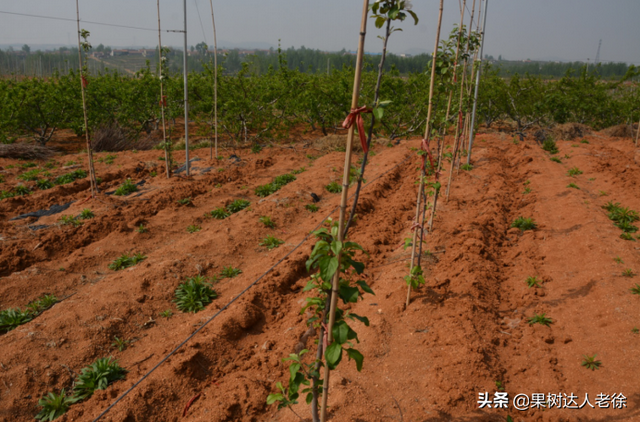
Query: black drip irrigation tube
x=246, y=289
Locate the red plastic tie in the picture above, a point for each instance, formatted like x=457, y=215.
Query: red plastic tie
x=356, y=117
x=186, y=408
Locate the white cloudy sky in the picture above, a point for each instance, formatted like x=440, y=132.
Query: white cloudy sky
x=516, y=29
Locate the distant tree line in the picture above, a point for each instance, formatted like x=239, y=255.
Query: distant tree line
x=64, y=60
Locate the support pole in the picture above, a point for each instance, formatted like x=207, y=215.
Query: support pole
x=343, y=204
x=186, y=93
x=215, y=81
x=475, y=99
x=427, y=135
x=92, y=172
x=167, y=162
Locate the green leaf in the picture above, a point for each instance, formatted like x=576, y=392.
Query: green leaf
x=336, y=247
x=349, y=294
x=357, y=356
x=272, y=398
x=413, y=15
x=365, y=287
x=380, y=21
x=378, y=113
x=362, y=319
x=328, y=267
x=340, y=332
x=333, y=355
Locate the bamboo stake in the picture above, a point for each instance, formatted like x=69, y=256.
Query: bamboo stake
x=458, y=126
x=454, y=79
x=475, y=96
x=376, y=97
x=215, y=82
x=92, y=173
x=164, y=128
x=427, y=135
x=343, y=203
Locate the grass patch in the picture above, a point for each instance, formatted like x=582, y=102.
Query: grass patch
x=194, y=294
x=54, y=405
x=44, y=184
x=10, y=319
x=69, y=220
x=70, y=177
x=334, y=187
x=219, y=213
x=574, y=171
x=268, y=222
x=524, y=224
x=466, y=167
x=30, y=176
x=550, y=146
x=590, y=362
x=556, y=160
x=533, y=282
x=86, y=214
x=311, y=207
x=277, y=184
x=98, y=376
x=540, y=319
x=127, y=188
x=573, y=185
x=238, y=205
x=271, y=242
x=184, y=201
x=126, y=261
x=230, y=272
x=193, y=228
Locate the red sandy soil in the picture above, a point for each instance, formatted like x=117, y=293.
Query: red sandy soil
x=463, y=331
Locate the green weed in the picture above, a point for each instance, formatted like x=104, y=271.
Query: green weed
x=311, y=207
x=70, y=177
x=524, y=224
x=533, y=282
x=86, y=214
x=193, y=228
x=618, y=260
x=267, y=222
x=573, y=185
x=230, y=272
x=218, y=214
x=185, y=201
x=44, y=184
x=590, y=362
x=126, y=261
x=120, y=343
x=550, y=146
x=194, y=294
x=271, y=242
x=636, y=289
x=466, y=167
x=127, y=188
x=30, y=176
x=628, y=273
x=540, y=319
x=334, y=187
x=584, y=141
x=97, y=377
x=556, y=160
x=69, y=220
x=22, y=190
x=166, y=314
x=11, y=319
x=142, y=229
x=238, y=205
x=54, y=405
x=526, y=190
x=574, y=171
